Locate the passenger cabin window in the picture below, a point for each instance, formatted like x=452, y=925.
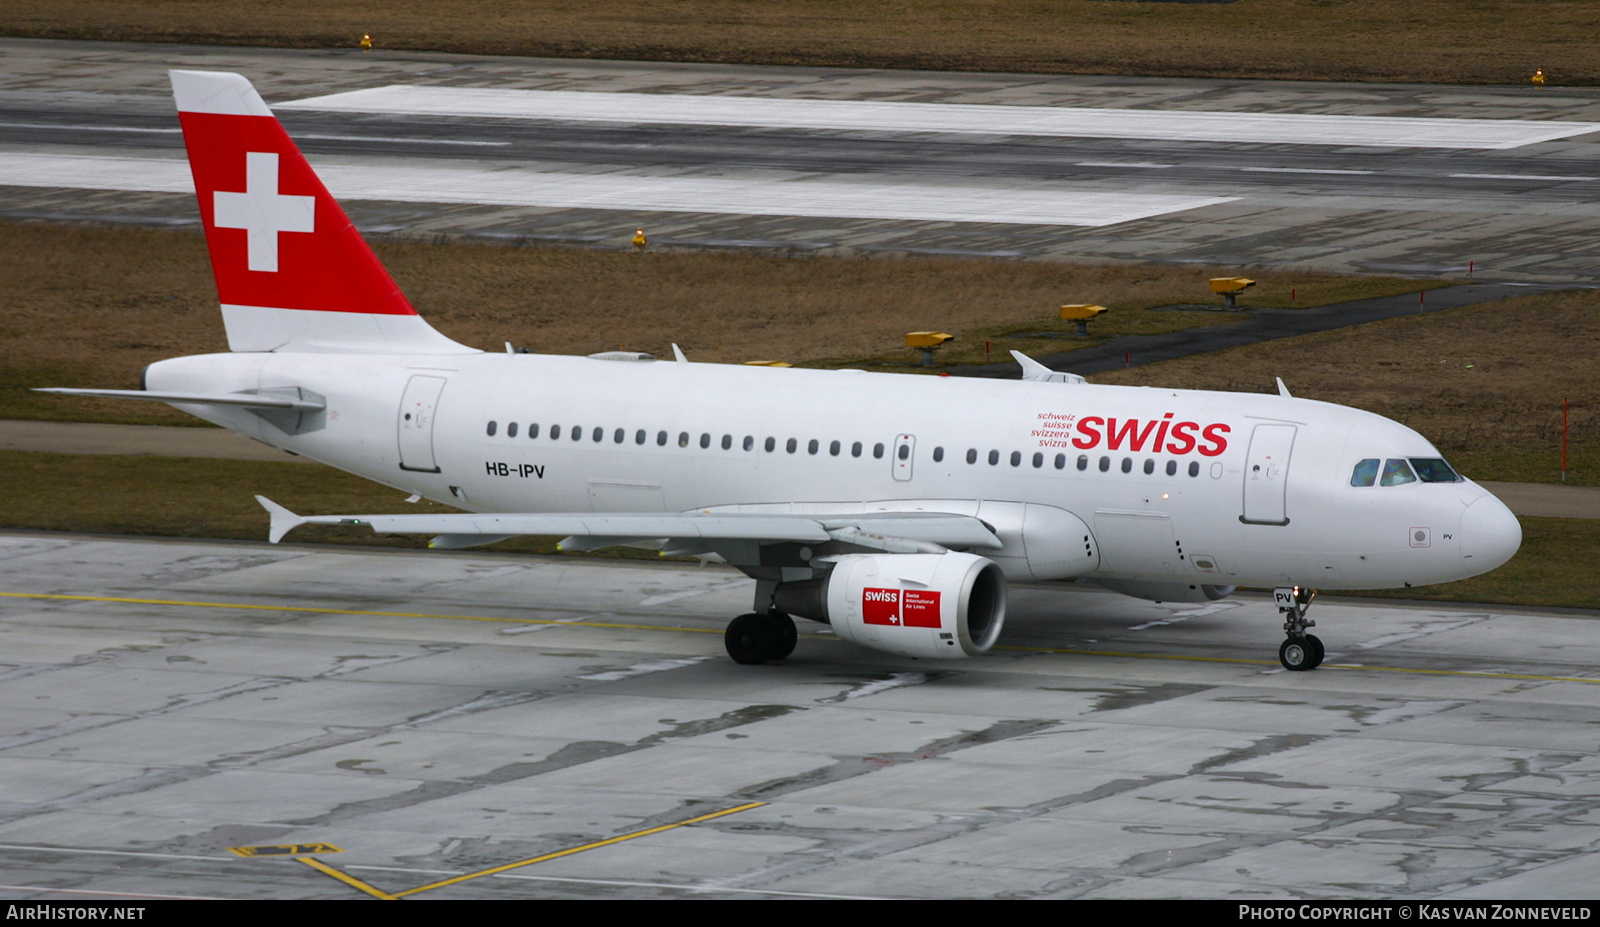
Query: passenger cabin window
x=771, y=444
x=598, y=435
x=1396, y=472
x=877, y=451
x=749, y=442
x=790, y=445
x=555, y=432
x=1365, y=473
x=972, y=455
x=639, y=436
x=683, y=439
x=705, y=439
x=577, y=432
x=1016, y=458
x=511, y=429
x=1172, y=468
x=1038, y=460
x=994, y=458
x=1061, y=462
x=533, y=430
x=1194, y=468
x=938, y=454
x=661, y=439
x=905, y=451
x=491, y=429
x=812, y=446
x=833, y=449
x=1083, y=461
x=727, y=442
x=855, y=449
x=618, y=436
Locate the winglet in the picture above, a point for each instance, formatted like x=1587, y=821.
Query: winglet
x=283, y=520
x=1033, y=370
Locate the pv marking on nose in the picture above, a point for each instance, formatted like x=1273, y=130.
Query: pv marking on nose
x=262, y=211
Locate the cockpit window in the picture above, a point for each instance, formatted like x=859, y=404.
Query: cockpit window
x=1365, y=473
x=1434, y=470
x=1395, y=472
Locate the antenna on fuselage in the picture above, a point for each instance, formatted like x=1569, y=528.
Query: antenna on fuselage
x=1283, y=390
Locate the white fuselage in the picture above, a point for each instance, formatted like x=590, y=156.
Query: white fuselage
x=1255, y=490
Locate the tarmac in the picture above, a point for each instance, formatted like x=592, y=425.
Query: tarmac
x=381, y=723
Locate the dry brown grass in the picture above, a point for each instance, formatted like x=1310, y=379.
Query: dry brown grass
x=1450, y=41
x=1485, y=383
x=93, y=306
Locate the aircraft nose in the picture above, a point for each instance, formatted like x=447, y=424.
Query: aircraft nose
x=1490, y=534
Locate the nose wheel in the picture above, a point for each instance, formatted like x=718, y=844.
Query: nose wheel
x=754, y=639
x=1301, y=651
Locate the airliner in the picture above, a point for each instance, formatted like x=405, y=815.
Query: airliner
x=894, y=508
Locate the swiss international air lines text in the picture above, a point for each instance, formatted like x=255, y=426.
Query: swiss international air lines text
x=1052, y=429
x=906, y=608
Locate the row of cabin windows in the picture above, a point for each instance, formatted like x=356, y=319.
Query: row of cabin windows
x=1083, y=462
x=662, y=439
x=814, y=446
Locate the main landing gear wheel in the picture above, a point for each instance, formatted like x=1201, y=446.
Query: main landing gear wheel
x=755, y=639
x=1301, y=653
x=785, y=633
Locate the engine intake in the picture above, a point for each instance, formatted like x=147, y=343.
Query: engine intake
x=945, y=606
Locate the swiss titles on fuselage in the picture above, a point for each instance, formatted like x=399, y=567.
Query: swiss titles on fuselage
x=1156, y=436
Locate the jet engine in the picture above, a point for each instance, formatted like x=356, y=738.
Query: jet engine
x=1171, y=590
x=948, y=605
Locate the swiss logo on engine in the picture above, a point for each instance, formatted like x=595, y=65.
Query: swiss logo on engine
x=908, y=608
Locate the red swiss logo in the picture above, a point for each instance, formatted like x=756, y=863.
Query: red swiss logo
x=277, y=238
x=907, y=608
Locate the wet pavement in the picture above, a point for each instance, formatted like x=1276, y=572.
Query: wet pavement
x=403, y=719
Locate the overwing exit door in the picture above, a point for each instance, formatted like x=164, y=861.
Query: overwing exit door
x=905, y=451
x=415, y=423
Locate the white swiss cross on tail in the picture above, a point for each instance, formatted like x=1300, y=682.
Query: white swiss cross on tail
x=264, y=212
x=292, y=271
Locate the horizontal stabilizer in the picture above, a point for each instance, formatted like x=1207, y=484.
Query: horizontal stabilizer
x=247, y=400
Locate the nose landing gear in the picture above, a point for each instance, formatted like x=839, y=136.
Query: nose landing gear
x=1301, y=651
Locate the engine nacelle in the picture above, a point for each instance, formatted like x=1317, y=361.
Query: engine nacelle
x=947, y=606
x=1168, y=590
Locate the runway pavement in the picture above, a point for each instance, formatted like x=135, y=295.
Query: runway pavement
x=451, y=725
x=1349, y=177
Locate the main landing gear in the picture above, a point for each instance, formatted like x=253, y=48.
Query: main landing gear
x=753, y=638
x=1301, y=651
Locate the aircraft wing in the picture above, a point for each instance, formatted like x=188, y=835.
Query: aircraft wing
x=897, y=532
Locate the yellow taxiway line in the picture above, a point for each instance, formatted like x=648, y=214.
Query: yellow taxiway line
x=616, y=625
x=568, y=852
x=347, y=879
